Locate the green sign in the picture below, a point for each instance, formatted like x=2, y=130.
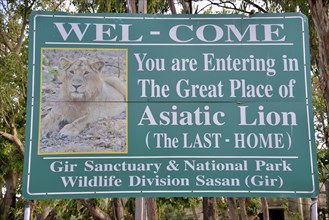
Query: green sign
x=124, y=105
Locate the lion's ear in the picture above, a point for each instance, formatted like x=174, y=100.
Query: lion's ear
x=97, y=66
x=65, y=63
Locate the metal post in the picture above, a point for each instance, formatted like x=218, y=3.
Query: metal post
x=314, y=209
x=140, y=210
x=27, y=210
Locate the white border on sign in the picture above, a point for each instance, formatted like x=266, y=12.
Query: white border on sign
x=170, y=157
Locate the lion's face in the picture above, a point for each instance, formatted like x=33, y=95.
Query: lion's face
x=81, y=79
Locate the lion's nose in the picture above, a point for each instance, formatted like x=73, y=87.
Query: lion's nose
x=76, y=86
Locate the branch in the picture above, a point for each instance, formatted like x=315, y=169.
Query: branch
x=5, y=118
x=24, y=24
x=92, y=6
x=14, y=138
x=58, y=5
x=7, y=136
x=172, y=7
x=221, y=4
x=96, y=212
x=4, y=7
x=256, y=6
x=5, y=40
x=186, y=6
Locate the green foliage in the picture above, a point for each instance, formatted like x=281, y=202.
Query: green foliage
x=209, y=10
x=319, y=108
x=13, y=87
x=61, y=209
x=321, y=127
x=100, y=6
x=73, y=208
x=18, y=211
x=323, y=161
x=117, y=6
x=253, y=206
x=173, y=207
x=9, y=159
x=130, y=209
x=157, y=7
x=13, y=80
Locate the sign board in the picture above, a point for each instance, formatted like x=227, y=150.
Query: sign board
x=124, y=105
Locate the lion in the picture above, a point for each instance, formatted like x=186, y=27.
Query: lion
x=85, y=97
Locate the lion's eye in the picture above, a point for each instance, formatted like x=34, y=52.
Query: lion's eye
x=86, y=73
x=71, y=71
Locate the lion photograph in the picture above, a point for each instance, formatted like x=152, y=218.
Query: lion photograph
x=83, y=106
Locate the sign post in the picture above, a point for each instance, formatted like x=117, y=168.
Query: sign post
x=152, y=106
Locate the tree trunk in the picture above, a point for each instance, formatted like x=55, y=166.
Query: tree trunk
x=195, y=214
x=306, y=204
x=319, y=11
x=118, y=205
x=266, y=215
x=187, y=6
x=320, y=16
x=152, y=213
x=9, y=201
x=232, y=210
x=243, y=210
x=131, y=6
x=210, y=211
x=172, y=7
x=142, y=6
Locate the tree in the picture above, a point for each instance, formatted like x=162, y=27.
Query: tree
x=14, y=17
x=13, y=77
